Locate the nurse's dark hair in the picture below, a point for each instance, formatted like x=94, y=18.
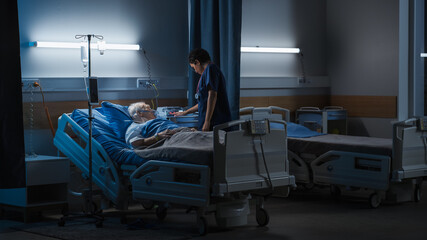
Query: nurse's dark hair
x=199, y=54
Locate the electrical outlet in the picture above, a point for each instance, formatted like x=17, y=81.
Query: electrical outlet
x=30, y=84
x=301, y=81
x=146, y=83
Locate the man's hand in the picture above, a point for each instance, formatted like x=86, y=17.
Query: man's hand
x=166, y=133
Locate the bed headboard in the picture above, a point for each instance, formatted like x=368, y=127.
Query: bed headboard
x=271, y=112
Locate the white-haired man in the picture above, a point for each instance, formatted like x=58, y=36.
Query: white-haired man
x=146, y=128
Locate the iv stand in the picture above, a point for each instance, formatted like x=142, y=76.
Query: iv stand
x=91, y=213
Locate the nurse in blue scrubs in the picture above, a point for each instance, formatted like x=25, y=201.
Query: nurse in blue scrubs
x=211, y=92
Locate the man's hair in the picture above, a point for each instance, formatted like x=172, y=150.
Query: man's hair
x=200, y=55
x=135, y=107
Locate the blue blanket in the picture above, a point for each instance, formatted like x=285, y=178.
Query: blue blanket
x=102, y=131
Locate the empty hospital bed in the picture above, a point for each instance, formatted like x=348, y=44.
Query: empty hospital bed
x=247, y=162
x=390, y=169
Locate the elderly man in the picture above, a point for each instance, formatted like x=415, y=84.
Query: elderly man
x=146, y=128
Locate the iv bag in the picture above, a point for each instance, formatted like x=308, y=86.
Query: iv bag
x=84, y=54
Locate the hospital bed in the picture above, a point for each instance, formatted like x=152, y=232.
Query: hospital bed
x=389, y=169
x=248, y=161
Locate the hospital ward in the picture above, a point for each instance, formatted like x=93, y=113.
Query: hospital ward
x=213, y=119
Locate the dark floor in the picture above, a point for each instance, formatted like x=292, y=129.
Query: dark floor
x=309, y=214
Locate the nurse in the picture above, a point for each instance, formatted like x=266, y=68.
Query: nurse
x=211, y=93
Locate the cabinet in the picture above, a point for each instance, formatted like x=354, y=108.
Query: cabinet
x=328, y=120
x=47, y=180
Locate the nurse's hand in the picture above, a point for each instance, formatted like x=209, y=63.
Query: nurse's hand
x=206, y=126
x=177, y=114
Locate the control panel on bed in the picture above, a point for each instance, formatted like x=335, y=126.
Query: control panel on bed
x=260, y=127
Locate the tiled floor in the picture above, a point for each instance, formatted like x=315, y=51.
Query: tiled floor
x=310, y=214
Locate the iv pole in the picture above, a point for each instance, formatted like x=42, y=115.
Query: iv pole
x=90, y=118
x=91, y=213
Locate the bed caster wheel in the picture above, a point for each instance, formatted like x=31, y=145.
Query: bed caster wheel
x=417, y=193
x=262, y=217
x=99, y=224
x=147, y=204
x=374, y=200
x=202, y=226
x=61, y=222
x=161, y=213
x=335, y=191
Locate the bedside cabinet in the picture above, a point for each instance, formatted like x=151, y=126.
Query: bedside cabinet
x=328, y=120
x=47, y=180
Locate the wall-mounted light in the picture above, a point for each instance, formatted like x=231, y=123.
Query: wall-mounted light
x=269, y=50
x=100, y=45
x=423, y=54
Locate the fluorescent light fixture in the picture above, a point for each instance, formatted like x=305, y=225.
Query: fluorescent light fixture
x=269, y=50
x=99, y=45
x=122, y=46
x=55, y=44
x=423, y=54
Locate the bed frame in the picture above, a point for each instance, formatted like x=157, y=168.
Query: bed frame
x=395, y=178
x=246, y=166
x=73, y=141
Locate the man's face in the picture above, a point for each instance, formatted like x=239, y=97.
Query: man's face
x=146, y=112
x=197, y=67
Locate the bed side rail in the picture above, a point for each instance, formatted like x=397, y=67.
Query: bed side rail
x=104, y=171
x=352, y=169
x=180, y=183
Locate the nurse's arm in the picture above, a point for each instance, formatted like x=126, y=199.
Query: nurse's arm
x=190, y=110
x=212, y=95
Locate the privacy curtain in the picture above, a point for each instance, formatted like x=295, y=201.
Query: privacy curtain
x=12, y=150
x=215, y=25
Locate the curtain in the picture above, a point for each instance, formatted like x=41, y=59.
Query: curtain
x=12, y=150
x=215, y=25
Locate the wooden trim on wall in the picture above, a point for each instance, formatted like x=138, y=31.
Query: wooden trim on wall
x=36, y=112
x=356, y=106
x=367, y=106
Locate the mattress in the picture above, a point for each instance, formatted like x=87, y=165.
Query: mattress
x=318, y=145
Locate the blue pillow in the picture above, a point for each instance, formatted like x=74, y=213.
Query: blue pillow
x=300, y=131
x=118, y=118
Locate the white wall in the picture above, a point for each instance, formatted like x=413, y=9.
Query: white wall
x=284, y=23
x=363, y=54
x=160, y=27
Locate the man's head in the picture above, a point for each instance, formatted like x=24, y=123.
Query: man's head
x=198, y=58
x=141, y=112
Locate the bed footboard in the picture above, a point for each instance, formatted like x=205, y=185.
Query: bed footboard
x=409, y=150
x=246, y=160
x=352, y=169
x=72, y=141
